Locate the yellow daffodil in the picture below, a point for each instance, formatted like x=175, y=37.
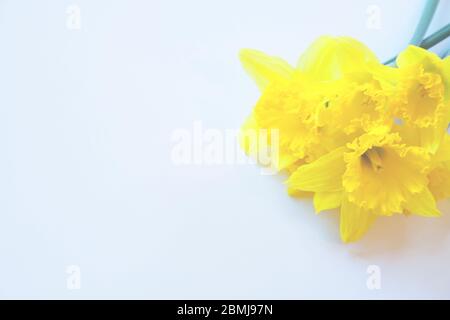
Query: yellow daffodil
x=297, y=102
x=422, y=97
x=368, y=139
x=374, y=175
x=286, y=106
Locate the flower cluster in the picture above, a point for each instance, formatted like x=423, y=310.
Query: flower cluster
x=353, y=133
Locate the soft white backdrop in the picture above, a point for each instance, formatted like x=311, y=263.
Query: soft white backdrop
x=86, y=177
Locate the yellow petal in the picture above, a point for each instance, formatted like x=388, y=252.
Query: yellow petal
x=329, y=58
x=413, y=55
x=439, y=176
x=327, y=200
x=354, y=221
x=285, y=160
x=299, y=194
x=322, y=175
x=422, y=204
x=248, y=137
x=446, y=78
x=439, y=179
x=256, y=142
x=443, y=153
x=430, y=138
x=263, y=68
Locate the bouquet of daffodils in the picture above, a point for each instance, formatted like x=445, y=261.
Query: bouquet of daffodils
x=357, y=135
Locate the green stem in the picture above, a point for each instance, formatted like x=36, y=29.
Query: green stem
x=422, y=26
x=429, y=41
x=424, y=22
x=436, y=37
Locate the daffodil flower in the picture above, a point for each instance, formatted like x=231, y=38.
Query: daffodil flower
x=422, y=97
x=375, y=175
x=365, y=138
x=298, y=101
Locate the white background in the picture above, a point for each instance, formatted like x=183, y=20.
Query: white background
x=86, y=176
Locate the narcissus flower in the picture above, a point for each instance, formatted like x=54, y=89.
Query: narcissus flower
x=422, y=96
x=375, y=175
x=368, y=139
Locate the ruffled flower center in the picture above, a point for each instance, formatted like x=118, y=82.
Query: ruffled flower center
x=373, y=158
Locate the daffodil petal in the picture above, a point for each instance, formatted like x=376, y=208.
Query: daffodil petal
x=248, y=137
x=443, y=153
x=440, y=181
x=430, y=138
x=264, y=68
x=354, y=221
x=414, y=55
x=322, y=175
x=327, y=200
x=299, y=194
x=329, y=58
x=423, y=204
x=446, y=78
